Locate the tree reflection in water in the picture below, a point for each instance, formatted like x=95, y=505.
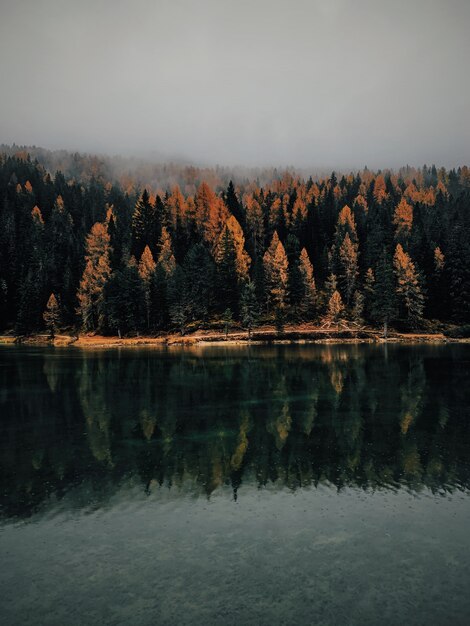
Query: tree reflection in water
x=291, y=416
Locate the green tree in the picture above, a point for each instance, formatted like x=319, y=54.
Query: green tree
x=200, y=271
x=408, y=287
x=147, y=268
x=384, y=306
x=51, y=315
x=95, y=276
x=249, y=307
x=276, y=273
x=124, y=297
x=177, y=299
x=228, y=283
x=144, y=224
x=228, y=321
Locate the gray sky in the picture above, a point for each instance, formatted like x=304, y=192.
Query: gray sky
x=318, y=83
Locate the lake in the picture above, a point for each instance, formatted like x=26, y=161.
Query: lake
x=288, y=484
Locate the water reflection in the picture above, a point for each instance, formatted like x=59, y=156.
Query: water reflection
x=286, y=416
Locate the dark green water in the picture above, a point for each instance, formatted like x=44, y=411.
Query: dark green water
x=262, y=485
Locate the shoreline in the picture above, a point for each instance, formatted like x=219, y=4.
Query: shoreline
x=261, y=336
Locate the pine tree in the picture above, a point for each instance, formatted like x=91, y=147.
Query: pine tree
x=228, y=320
x=349, y=269
x=276, y=273
x=177, y=299
x=158, y=294
x=124, y=300
x=146, y=271
x=335, y=307
x=211, y=213
x=403, y=221
x=166, y=259
x=51, y=315
x=144, y=224
x=344, y=254
x=369, y=291
x=228, y=283
x=96, y=274
x=408, y=288
x=384, y=307
x=309, y=298
x=249, y=307
x=242, y=260
x=200, y=275
x=233, y=204
x=358, y=308
x=295, y=285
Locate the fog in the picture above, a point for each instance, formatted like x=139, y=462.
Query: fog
x=320, y=83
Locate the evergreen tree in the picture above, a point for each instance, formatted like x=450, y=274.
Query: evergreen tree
x=249, y=307
x=358, y=308
x=124, y=298
x=144, y=224
x=335, y=307
x=96, y=274
x=233, y=204
x=295, y=284
x=228, y=283
x=349, y=269
x=158, y=296
x=166, y=258
x=177, y=299
x=408, y=287
x=275, y=273
x=146, y=271
x=309, y=296
x=228, y=321
x=51, y=315
x=200, y=274
x=384, y=308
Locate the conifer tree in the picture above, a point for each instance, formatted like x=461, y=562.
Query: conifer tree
x=51, y=315
x=358, y=308
x=200, y=275
x=335, y=307
x=228, y=283
x=96, y=274
x=276, y=273
x=228, y=320
x=384, y=308
x=349, y=269
x=309, y=298
x=143, y=224
x=344, y=254
x=249, y=307
x=369, y=291
x=295, y=285
x=146, y=271
x=403, y=221
x=242, y=260
x=166, y=259
x=408, y=288
x=177, y=299
x=124, y=300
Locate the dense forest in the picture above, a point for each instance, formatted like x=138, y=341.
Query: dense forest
x=90, y=248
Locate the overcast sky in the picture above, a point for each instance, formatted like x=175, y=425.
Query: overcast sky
x=322, y=83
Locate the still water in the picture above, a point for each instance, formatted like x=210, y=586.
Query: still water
x=235, y=485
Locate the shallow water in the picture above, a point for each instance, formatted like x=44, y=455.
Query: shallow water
x=242, y=485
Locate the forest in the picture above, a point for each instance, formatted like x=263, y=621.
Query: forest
x=89, y=247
